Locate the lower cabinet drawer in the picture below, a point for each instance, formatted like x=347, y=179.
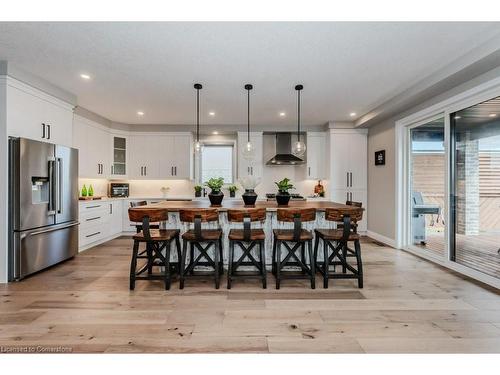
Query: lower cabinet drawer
x=92, y=234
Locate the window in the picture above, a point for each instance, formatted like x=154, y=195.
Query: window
x=217, y=161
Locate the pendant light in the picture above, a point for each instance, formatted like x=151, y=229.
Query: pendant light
x=248, y=151
x=299, y=147
x=197, y=144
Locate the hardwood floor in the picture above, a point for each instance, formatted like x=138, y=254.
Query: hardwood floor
x=407, y=305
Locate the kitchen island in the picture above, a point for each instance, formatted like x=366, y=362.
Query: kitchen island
x=173, y=208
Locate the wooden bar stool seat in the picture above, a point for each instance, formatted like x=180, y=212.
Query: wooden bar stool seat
x=158, y=235
x=294, y=241
x=247, y=239
x=202, y=241
x=335, y=246
x=239, y=235
x=335, y=234
x=158, y=247
x=288, y=235
x=205, y=234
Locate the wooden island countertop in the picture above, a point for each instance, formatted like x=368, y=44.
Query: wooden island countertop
x=270, y=206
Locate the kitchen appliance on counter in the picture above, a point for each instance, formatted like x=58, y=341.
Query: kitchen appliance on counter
x=43, y=205
x=119, y=190
x=293, y=197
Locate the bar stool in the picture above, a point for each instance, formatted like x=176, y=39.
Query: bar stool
x=138, y=227
x=157, y=241
x=337, y=241
x=298, y=237
x=201, y=240
x=246, y=239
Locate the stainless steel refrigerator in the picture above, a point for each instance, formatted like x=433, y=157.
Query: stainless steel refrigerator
x=43, y=205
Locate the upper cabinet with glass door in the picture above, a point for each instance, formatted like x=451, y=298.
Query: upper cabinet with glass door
x=119, y=159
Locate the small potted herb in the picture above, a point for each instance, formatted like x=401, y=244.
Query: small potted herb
x=283, y=196
x=249, y=183
x=216, y=195
x=197, y=190
x=232, y=190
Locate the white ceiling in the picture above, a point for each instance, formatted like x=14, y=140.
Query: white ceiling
x=152, y=67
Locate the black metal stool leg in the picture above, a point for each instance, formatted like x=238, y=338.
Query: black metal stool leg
x=312, y=263
x=230, y=263
x=273, y=262
x=216, y=263
x=133, y=264
x=179, y=252
x=191, y=256
x=344, y=255
x=325, y=263
x=221, y=258
x=357, y=247
x=263, y=264
x=167, y=265
x=149, y=252
x=182, y=264
x=278, y=264
x=303, y=255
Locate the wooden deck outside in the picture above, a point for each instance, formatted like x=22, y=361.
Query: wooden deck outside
x=477, y=252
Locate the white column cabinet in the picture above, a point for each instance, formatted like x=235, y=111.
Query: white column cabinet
x=250, y=167
x=93, y=143
x=145, y=156
x=36, y=115
x=348, y=167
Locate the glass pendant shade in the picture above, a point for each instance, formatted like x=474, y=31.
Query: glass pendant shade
x=248, y=151
x=299, y=148
x=197, y=146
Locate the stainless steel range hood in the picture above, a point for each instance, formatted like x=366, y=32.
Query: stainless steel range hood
x=284, y=154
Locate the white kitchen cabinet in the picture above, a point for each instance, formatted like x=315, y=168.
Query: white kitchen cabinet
x=115, y=217
x=119, y=156
x=348, y=167
x=100, y=221
x=161, y=156
x=314, y=169
x=348, y=159
x=93, y=143
x=250, y=167
x=36, y=115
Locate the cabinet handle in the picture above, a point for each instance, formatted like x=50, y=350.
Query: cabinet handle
x=251, y=171
x=145, y=171
x=43, y=130
x=97, y=206
x=48, y=131
x=111, y=208
x=309, y=171
x=176, y=170
x=171, y=171
x=248, y=170
x=98, y=168
x=347, y=182
x=93, y=218
x=347, y=196
x=142, y=171
x=351, y=179
x=93, y=234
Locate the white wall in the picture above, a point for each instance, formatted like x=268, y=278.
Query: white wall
x=3, y=182
x=381, y=179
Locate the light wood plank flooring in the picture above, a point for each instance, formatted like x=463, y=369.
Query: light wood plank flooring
x=408, y=305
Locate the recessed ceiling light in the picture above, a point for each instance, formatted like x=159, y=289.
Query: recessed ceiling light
x=493, y=115
x=140, y=113
x=85, y=76
x=211, y=113
x=215, y=132
x=352, y=114
x=457, y=117
x=282, y=114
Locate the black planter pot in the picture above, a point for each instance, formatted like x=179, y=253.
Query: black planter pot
x=249, y=197
x=216, y=198
x=232, y=194
x=282, y=198
x=197, y=194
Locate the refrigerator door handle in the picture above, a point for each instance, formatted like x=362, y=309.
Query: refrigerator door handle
x=52, y=187
x=51, y=229
x=59, y=184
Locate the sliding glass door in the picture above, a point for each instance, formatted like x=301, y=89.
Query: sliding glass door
x=427, y=187
x=475, y=198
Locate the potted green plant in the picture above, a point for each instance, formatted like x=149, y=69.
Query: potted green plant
x=283, y=196
x=197, y=190
x=216, y=195
x=232, y=190
x=249, y=183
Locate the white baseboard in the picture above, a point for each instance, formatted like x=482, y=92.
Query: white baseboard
x=378, y=237
x=93, y=244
